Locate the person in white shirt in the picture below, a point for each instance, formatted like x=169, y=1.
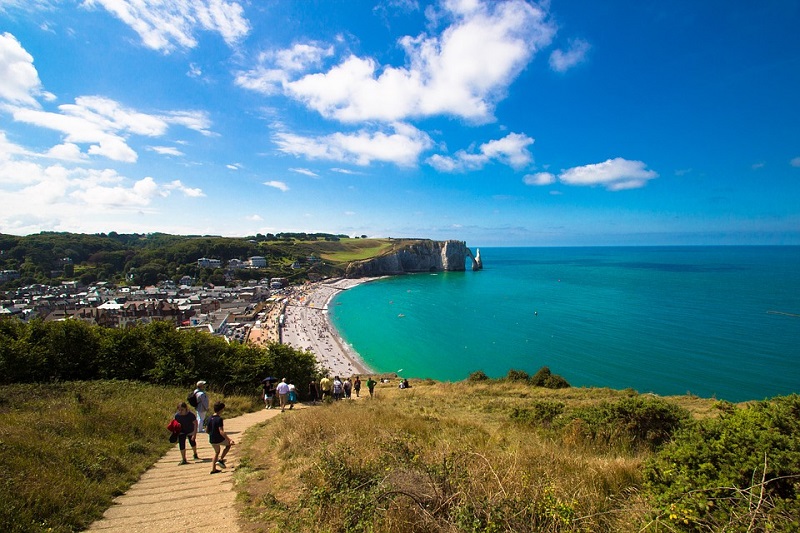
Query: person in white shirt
x=202, y=405
x=283, y=391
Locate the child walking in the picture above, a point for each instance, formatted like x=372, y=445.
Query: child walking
x=218, y=438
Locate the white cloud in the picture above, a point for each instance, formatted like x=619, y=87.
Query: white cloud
x=194, y=71
x=462, y=72
x=275, y=68
x=795, y=162
x=403, y=147
x=344, y=171
x=511, y=150
x=305, y=172
x=254, y=218
x=540, y=178
x=165, y=25
x=193, y=120
x=167, y=150
x=177, y=185
x=281, y=186
x=105, y=124
x=614, y=174
x=302, y=56
x=233, y=167
x=66, y=152
x=19, y=80
x=562, y=61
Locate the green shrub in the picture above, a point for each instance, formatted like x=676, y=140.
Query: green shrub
x=739, y=472
x=479, y=375
x=517, y=375
x=636, y=422
x=538, y=413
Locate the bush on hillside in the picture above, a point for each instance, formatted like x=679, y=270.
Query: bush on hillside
x=478, y=375
x=538, y=413
x=636, y=422
x=545, y=378
x=738, y=472
x=517, y=375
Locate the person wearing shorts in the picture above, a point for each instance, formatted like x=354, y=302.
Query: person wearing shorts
x=188, y=422
x=218, y=439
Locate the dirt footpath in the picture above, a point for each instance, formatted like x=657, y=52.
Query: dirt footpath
x=182, y=498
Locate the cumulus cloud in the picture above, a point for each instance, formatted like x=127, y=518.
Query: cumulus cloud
x=254, y=218
x=511, y=150
x=613, y=174
x=540, y=178
x=462, y=71
x=19, y=79
x=165, y=25
x=563, y=60
x=402, y=147
x=281, y=186
x=36, y=196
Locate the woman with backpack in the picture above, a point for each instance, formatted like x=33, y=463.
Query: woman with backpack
x=188, y=431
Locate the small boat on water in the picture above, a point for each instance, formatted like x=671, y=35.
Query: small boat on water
x=401, y=315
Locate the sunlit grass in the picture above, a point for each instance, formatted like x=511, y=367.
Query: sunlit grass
x=442, y=457
x=69, y=448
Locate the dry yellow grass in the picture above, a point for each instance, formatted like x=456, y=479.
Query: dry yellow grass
x=441, y=457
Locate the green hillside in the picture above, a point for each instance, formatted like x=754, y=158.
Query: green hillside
x=146, y=259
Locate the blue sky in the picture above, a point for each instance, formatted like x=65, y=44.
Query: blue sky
x=499, y=123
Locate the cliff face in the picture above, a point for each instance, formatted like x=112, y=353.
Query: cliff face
x=420, y=256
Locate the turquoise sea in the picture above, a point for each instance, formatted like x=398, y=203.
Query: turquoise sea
x=710, y=321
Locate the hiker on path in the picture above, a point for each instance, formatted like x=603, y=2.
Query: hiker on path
x=218, y=438
x=202, y=405
x=188, y=422
x=338, y=389
x=283, y=390
x=357, y=386
x=371, y=386
x=292, y=395
x=269, y=393
x=348, y=388
x=326, y=386
x=313, y=391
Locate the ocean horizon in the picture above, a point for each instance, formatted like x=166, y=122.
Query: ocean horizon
x=713, y=321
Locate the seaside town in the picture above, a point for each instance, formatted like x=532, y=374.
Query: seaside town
x=258, y=311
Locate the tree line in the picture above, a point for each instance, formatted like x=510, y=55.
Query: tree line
x=70, y=350
x=145, y=259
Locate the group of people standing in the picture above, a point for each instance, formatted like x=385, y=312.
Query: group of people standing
x=189, y=424
x=285, y=393
x=338, y=389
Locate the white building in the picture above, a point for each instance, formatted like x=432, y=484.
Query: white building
x=258, y=261
x=205, y=262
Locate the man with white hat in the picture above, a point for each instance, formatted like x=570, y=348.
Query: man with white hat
x=202, y=405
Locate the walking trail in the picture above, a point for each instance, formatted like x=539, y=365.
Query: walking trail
x=183, y=498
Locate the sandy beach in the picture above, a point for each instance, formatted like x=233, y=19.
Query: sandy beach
x=307, y=326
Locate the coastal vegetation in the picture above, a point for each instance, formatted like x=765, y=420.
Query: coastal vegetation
x=147, y=259
x=505, y=455
x=71, y=350
x=84, y=411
